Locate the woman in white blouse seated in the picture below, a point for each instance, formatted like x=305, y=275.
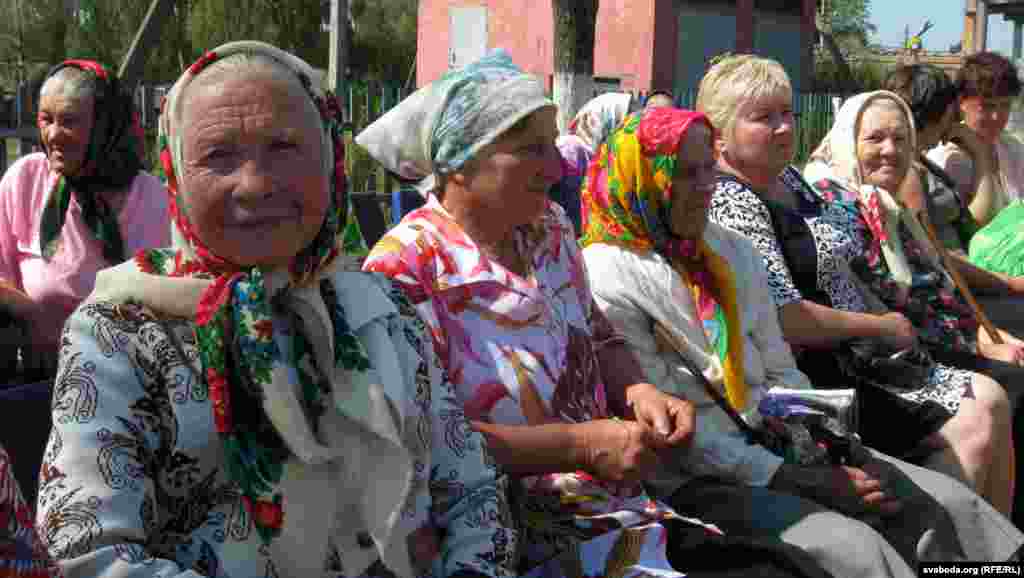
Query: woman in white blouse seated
x=653, y=260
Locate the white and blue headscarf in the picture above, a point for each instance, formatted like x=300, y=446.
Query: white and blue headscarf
x=438, y=128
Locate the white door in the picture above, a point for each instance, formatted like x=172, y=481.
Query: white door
x=468, y=34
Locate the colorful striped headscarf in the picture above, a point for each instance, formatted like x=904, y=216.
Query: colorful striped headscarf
x=248, y=378
x=627, y=201
x=113, y=158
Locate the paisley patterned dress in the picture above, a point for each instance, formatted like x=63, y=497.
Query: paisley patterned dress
x=134, y=481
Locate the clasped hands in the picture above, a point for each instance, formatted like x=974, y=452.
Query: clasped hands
x=625, y=450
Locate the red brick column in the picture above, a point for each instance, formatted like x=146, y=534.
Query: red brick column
x=666, y=44
x=744, y=26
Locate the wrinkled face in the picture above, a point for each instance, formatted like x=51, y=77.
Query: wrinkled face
x=693, y=183
x=763, y=134
x=883, y=145
x=257, y=192
x=65, y=127
x=987, y=116
x=508, y=181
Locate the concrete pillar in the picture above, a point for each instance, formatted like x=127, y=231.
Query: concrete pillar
x=1018, y=35
x=970, y=17
x=338, y=58
x=981, y=27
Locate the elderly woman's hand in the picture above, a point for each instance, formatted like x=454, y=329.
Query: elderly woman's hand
x=897, y=331
x=852, y=491
x=671, y=418
x=1005, y=352
x=618, y=451
x=1010, y=351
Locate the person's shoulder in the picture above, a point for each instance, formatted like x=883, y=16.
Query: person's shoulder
x=425, y=224
x=148, y=184
x=613, y=264
x=124, y=324
x=716, y=235
x=734, y=247
x=367, y=296
x=731, y=190
x=727, y=183
x=33, y=160
x=30, y=166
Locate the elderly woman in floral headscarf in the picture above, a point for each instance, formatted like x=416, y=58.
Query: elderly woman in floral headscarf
x=588, y=129
x=860, y=165
x=82, y=205
x=247, y=403
x=691, y=296
x=495, y=270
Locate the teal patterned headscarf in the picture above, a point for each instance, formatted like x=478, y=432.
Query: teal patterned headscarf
x=444, y=124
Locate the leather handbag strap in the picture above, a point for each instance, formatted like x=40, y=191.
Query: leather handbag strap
x=666, y=338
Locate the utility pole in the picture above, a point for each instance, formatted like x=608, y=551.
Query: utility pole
x=145, y=39
x=25, y=95
x=21, y=43
x=338, y=63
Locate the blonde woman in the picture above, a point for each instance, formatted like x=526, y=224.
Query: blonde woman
x=952, y=420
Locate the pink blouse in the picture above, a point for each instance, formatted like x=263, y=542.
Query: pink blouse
x=59, y=285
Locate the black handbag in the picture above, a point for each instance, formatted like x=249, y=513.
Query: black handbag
x=878, y=372
x=905, y=370
x=809, y=439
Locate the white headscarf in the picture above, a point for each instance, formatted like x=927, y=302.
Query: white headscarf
x=439, y=127
x=836, y=159
x=596, y=121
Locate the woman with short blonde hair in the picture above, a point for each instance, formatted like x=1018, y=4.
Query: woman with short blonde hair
x=946, y=416
x=737, y=79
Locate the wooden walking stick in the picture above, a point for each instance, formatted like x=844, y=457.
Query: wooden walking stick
x=926, y=224
x=958, y=280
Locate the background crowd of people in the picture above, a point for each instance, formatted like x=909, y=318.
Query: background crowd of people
x=585, y=354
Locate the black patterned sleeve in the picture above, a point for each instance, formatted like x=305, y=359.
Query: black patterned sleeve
x=735, y=206
x=97, y=492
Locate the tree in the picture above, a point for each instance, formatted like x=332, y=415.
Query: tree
x=575, y=31
x=36, y=34
x=383, y=38
x=844, y=22
x=849, y=19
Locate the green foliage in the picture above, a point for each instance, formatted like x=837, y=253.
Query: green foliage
x=383, y=39
x=850, y=18
x=867, y=75
x=41, y=33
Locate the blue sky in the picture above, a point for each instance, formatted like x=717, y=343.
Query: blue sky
x=890, y=16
